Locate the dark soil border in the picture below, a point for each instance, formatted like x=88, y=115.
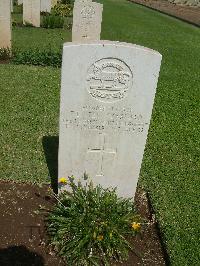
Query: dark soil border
x=23, y=239
x=187, y=14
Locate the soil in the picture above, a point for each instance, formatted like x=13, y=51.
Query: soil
x=183, y=12
x=7, y=61
x=23, y=240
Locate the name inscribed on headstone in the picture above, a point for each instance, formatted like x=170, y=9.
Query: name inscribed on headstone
x=100, y=118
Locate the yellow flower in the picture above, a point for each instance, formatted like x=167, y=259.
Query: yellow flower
x=63, y=180
x=100, y=237
x=136, y=226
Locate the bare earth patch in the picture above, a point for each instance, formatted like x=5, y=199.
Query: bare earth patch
x=187, y=13
x=22, y=229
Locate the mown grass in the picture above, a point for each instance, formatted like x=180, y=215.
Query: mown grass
x=29, y=115
x=26, y=38
x=171, y=167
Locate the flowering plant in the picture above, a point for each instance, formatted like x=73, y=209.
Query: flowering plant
x=90, y=224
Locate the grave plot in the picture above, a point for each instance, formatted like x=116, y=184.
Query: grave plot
x=29, y=129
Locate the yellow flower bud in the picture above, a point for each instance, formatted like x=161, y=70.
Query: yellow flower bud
x=136, y=226
x=63, y=180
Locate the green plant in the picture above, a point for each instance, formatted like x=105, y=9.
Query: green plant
x=16, y=23
x=52, y=22
x=5, y=53
x=67, y=2
x=18, y=9
x=90, y=224
x=63, y=10
x=37, y=57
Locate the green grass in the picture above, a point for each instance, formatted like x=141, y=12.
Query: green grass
x=25, y=38
x=29, y=112
x=171, y=167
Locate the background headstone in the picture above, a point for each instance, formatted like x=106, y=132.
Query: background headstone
x=5, y=24
x=87, y=18
x=45, y=6
x=107, y=95
x=31, y=12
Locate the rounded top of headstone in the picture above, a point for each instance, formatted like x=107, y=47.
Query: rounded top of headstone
x=112, y=43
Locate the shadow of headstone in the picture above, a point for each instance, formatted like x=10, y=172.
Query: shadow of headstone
x=50, y=146
x=20, y=256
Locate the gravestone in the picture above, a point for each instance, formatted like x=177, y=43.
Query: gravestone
x=45, y=6
x=87, y=18
x=31, y=12
x=107, y=95
x=5, y=24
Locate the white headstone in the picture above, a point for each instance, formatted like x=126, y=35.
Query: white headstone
x=31, y=12
x=45, y=6
x=5, y=24
x=107, y=95
x=20, y=2
x=87, y=18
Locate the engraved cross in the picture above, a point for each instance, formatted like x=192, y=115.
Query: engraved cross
x=103, y=155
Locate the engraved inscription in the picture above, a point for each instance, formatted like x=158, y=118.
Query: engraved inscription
x=109, y=80
x=87, y=15
x=103, y=118
x=87, y=12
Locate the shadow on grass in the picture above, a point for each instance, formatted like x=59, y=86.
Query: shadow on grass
x=50, y=146
x=20, y=255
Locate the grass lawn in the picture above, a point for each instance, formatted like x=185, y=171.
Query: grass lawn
x=30, y=112
x=171, y=167
x=25, y=38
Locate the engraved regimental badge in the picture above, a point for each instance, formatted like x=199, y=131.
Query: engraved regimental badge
x=109, y=79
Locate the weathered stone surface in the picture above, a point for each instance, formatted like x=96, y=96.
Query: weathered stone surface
x=107, y=96
x=31, y=12
x=87, y=18
x=5, y=24
x=45, y=6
